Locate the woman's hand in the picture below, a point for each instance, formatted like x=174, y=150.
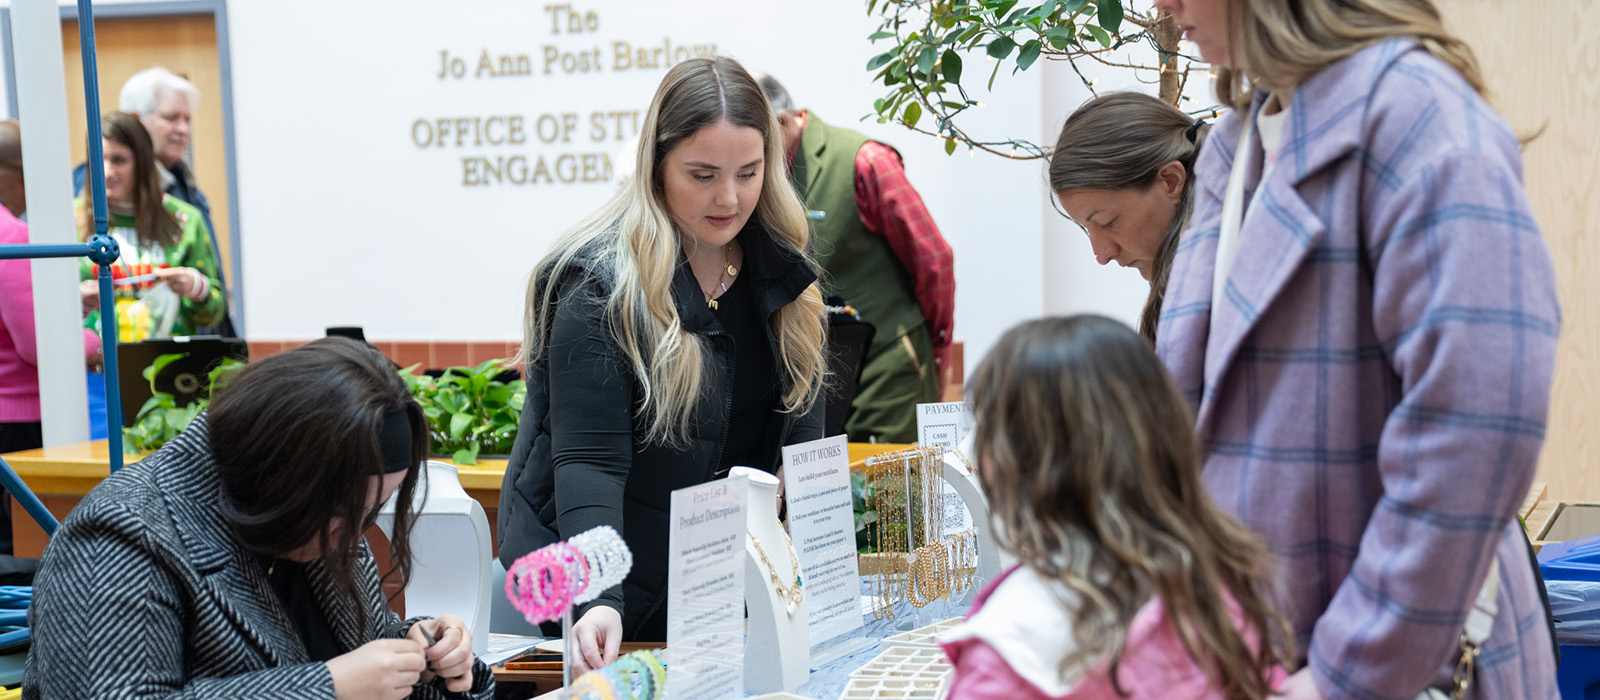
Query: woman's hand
x=383, y=669
x=185, y=282
x=1299, y=687
x=599, y=636
x=451, y=656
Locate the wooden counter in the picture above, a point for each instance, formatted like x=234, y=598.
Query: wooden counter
x=61, y=476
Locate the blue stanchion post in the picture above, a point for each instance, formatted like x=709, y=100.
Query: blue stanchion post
x=97, y=187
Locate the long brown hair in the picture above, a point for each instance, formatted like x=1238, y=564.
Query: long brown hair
x=1284, y=42
x=640, y=250
x=1089, y=461
x=150, y=217
x=297, y=439
x=1120, y=141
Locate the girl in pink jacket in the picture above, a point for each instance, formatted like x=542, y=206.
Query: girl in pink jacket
x=1131, y=583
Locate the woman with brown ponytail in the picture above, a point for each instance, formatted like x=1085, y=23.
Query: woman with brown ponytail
x=1123, y=170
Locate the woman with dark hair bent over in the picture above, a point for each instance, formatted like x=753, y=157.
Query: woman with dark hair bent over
x=231, y=563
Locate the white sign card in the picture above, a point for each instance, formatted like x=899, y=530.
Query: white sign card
x=816, y=479
x=947, y=424
x=705, y=591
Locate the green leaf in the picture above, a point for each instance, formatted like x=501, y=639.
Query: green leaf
x=466, y=456
x=1004, y=7
x=459, y=423
x=1110, y=15
x=951, y=66
x=1029, y=54
x=451, y=401
x=218, y=377
x=160, y=363
x=1064, y=30
x=949, y=146
x=925, y=59
x=153, y=403
x=880, y=35
x=1100, y=35
x=880, y=60
x=1001, y=47
x=1073, y=6
x=913, y=114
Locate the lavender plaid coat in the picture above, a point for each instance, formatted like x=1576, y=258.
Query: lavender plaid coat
x=1372, y=390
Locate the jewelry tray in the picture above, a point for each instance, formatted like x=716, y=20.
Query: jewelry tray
x=922, y=636
x=918, y=673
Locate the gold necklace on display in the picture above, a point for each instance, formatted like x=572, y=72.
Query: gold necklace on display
x=791, y=595
x=727, y=272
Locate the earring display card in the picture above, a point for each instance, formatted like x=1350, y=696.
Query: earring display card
x=705, y=596
x=922, y=636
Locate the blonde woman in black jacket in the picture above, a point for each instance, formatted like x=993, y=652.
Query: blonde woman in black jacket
x=674, y=334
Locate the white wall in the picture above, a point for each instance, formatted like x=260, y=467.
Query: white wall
x=344, y=220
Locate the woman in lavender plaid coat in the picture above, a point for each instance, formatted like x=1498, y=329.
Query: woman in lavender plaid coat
x=1364, y=316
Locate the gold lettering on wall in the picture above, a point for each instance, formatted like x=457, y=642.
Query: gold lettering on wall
x=575, y=50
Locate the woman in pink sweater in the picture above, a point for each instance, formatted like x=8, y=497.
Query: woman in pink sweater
x=19, y=358
x=1131, y=582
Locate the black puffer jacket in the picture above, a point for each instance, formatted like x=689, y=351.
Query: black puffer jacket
x=580, y=460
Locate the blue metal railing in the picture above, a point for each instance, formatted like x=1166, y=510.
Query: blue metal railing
x=101, y=250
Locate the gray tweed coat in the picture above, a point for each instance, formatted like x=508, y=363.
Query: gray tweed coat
x=144, y=593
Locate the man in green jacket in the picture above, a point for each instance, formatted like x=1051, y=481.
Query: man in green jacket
x=884, y=256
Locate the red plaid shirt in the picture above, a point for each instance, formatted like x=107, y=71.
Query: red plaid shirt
x=890, y=206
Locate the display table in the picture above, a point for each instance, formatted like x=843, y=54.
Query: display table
x=827, y=683
x=61, y=476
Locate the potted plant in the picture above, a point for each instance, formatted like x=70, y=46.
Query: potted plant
x=160, y=419
x=470, y=411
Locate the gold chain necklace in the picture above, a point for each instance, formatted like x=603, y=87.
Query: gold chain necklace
x=728, y=272
x=791, y=595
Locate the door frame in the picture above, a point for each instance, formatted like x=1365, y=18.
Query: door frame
x=218, y=10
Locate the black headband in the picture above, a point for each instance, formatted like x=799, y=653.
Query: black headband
x=394, y=440
x=1194, y=129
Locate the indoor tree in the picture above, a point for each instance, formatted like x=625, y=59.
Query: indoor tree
x=923, y=72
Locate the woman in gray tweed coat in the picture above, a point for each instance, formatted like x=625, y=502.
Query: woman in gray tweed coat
x=231, y=563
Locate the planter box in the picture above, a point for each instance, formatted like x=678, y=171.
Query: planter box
x=1568, y=521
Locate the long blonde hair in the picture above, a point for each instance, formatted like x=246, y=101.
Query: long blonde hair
x=1288, y=41
x=1087, y=453
x=637, y=253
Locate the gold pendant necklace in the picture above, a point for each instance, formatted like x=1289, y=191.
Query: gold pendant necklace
x=728, y=271
x=791, y=595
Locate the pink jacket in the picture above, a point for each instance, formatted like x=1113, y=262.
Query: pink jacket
x=19, y=357
x=1012, y=643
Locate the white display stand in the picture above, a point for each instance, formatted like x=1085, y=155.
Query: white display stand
x=966, y=487
x=450, y=552
x=777, y=652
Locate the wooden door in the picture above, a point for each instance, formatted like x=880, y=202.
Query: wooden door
x=1539, y=59
x=185, y=45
